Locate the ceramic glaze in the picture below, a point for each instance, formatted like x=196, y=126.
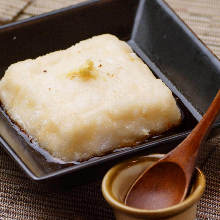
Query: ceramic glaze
x=119, y=179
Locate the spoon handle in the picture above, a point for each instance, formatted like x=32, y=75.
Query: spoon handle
x=188, y=149
x=199, y=133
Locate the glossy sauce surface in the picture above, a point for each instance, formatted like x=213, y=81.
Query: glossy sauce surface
x=42, y=158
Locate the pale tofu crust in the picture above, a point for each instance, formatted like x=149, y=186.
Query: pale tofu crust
x=87, y=100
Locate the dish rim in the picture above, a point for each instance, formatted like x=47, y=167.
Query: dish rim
x=109, y=157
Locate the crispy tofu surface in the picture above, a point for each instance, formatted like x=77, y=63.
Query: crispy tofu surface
x=87, y=100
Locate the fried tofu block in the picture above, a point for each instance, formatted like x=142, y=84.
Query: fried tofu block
x=87, y=100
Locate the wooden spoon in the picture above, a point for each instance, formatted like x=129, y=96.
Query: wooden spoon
x=166, y=182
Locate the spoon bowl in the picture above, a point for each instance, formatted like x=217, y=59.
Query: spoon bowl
x=166, y=182
x=163, y=195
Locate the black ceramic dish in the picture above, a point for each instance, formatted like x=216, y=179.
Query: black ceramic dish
x=155, y=33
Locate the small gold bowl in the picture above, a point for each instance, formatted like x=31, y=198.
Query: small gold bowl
x=119, y=179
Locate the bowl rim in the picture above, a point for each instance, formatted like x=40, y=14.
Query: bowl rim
x=170, y=211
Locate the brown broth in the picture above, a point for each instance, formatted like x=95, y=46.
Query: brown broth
x=50, y=163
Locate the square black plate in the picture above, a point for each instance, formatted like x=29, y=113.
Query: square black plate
x=154, y=32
